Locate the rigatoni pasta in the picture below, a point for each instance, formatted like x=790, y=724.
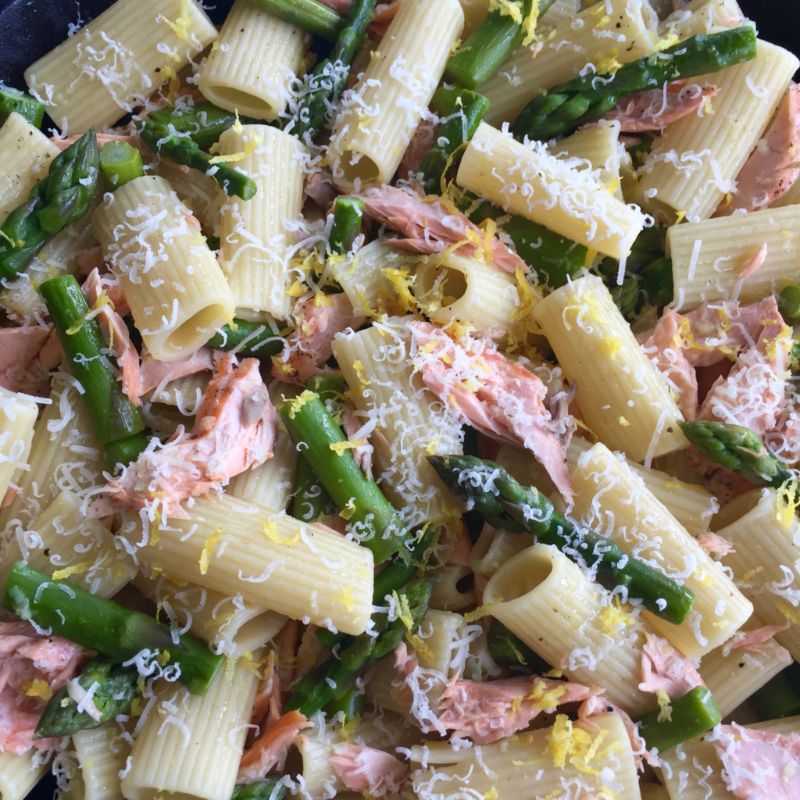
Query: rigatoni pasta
x=253, y=63
x=174, y=286
x=529, y=181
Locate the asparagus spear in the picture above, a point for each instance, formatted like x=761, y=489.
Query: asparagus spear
x=183, y=149
x=311, y=15
x=114, y=417
x=255, y=339
x=58, y=200
x=105, y=626
x=13, y=100
x=490, y=44
x=779, y=697
x=348, y=216
x=112, y=689
x=372, y=517
x=738, y=449
x=587, y=98
x=326, y=83
x=554, y=258
x=510, y=506
x=260, y=790
x=310, y=500
x=120, y=163
x=790, y=303
x=506, y=648
x=350, y=704
x=202, y=122
x=332, y=680
x=463, y=111
x=693, y=714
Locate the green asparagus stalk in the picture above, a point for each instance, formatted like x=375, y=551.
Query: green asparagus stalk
x=738, y=449
x=348, y=216
x=56, y=201
x=462, y=111
x=105, y=626
x=789, y=301
x=349, y=705
x=552, y=257
x=779, y=697
x=13, y=100
x=585, y=99
x=202, y=122
x=490, y=44
x=506, y=648
x=311, y=15
x=332, y=680
x=329, y=78
x=371, y=516
x=310, y=500
x=693, y=714
x=114, y=417
x=112, y=688
x=184, y=150
x=510, y=506
x=120, y=163
x=260, y=790
x=256, y=339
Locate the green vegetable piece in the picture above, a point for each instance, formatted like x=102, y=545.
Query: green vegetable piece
x=120, y=163
x=511, y=506
x=112, y=689
x=693, y=714
x=311, y=15
x=14, y=101
x=254, y=339
x=348, y=216
x=105, y=626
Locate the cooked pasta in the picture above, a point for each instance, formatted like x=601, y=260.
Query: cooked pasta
x=400, y=401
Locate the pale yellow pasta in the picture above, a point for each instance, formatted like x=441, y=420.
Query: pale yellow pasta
x=765, y=535
x=526, y=179
x=708, y=257
x=19, y=774
x=380, y=114
x=692, y=505
x=474, y=13
x=185, y=393
x=623, y=399
x=255, y=234
x=190, y=745
x=604, y=34
x=410, y=423
x=613, y=500
x=438, y=633
x=107, y=68
x=25, y=155
x=199, y=191
x=598, y=148
x=447, y=594
x=270, y=484
x=319, y=779
x=63, y=541
x=733, y=675
x=695, y=163
x=271, y=560
x=701, y=17
x=545, y=599
x=494, y=548
x=561, y=12
x=453, y=287
x=524, y=767
x=64, y=455
x=102, y=754
x=230, y=624
x=17, y=419
x=172, y=282
x=365, y=277
x=253, y=63
x=791, y=197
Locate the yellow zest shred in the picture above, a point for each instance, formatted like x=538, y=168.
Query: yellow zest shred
x=75, y=569
x=664, y=707
x=270, y=530
x=403, y=610
x=233, y=158
x=402, y=281
x=209, y=548
x=38, y=688
x=296, y=403
x=341, y=447
x=787, y=502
